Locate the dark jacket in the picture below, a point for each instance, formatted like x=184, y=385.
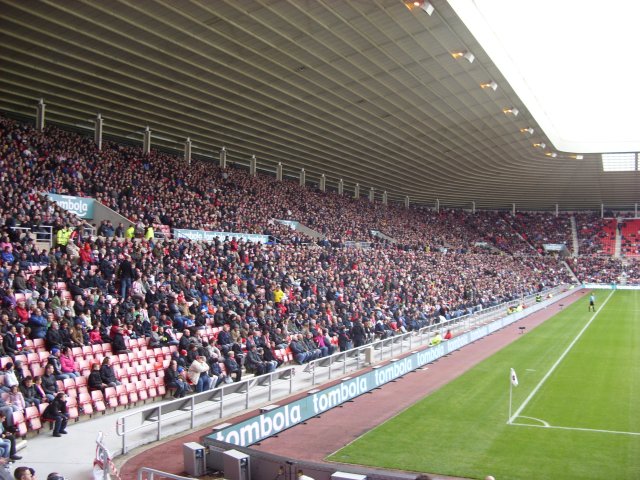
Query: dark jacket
x=118, y=343
x=49, y=384
x=9, y=343
x=171, y=376
x=53, y=338
x=55, y=408
x=57, y=367
x=95, y=380
x=231, y=365
x=107, y=374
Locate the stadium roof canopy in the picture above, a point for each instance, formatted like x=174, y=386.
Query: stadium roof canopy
x=366, y=91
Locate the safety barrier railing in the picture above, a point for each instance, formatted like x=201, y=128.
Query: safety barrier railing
x=164, y=418
x=146, y=473
x=168, y=417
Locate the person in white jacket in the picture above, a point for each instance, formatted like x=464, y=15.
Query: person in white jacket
x=198, y=374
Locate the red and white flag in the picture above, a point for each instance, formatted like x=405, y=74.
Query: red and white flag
x=514, y=378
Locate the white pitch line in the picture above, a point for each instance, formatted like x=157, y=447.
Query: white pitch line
x=555, y=365
x=544, y=424
x=595, y=430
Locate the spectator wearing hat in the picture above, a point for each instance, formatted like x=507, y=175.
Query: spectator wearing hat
x=155, y=339
x=54, y=361
x=118, y=343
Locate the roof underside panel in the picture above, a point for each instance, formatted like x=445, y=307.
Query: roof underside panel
x=367, y=92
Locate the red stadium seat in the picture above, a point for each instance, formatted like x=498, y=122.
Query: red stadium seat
x=133, y=393
x=39, y=345
x=20, y=424
x=98, y=401
x=70, y=387
x=151, y=388
x=111, y=397
x=123, y=397
x=141, y=388
x=160, y=387
x=97, y=348
x=33, y=359
x=84, y=402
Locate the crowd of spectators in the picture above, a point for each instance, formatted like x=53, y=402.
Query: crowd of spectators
x=543, y=228
x=311, y=297
x=630, y=237
x=596, y=235
x=438, y=253
x=597, y=269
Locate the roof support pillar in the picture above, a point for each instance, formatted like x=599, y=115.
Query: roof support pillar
x=303, y=178
x=557, y=210
x=513, y=209
x=473, y=207
x=384, y=198
x=187, y=151
x=146, y=141
x=340, y=187
x=438, y=205
x=223, y=158
x=406, y=201
x=253, y=165
x=40, y=112
x=356, y=191
x=97, y=133
x=602, y=210
x=279, y=172
x=323, y=183
x=372, y=194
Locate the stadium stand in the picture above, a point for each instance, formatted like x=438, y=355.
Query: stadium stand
x=188, y=298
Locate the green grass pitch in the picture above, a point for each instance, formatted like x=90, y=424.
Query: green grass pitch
x=580, y=422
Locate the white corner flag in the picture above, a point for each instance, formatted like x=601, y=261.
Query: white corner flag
x=514, y=378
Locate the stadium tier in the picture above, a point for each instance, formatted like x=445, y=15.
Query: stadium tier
x=144, y=302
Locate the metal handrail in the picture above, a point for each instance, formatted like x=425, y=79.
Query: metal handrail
x=203, y=402
x=40, y=235
x=152, y=472
x=348, y=361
